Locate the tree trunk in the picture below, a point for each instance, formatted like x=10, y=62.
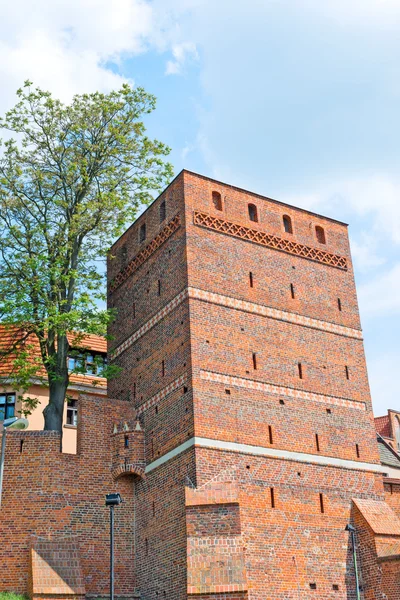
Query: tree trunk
x=54, y=411
x=58, y=377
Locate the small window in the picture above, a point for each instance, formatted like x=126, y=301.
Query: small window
x=163, y=211
x=320, y=233
x=7, y=406
x=251, y=280
x=339, y=304
x=253, y=216
x=162, y=368
x=217, y=200
x=317, y=442
x=159, y=287
x=123, y=254
x=321, y=503
x=292, y=290
x=72, y=412
x=287, y=224
x=313, y=586
x=133, y=310
x=358, y=450
x=254, y=361
x=272, y=492
x=346, y=370
x=142, y=232
x=126, y=441
x=270, y=436
x=300, y=370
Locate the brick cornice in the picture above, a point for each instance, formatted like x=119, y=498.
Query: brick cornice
x=229, y=302
x=280, y=390
x=144, y=254
x=266, y=239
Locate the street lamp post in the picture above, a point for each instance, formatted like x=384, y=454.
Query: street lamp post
x=112, y=500
x=12, y=423
x=352, y=531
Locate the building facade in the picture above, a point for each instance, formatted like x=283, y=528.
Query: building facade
x=240, y=343
x=239, y=432
x=87, y=355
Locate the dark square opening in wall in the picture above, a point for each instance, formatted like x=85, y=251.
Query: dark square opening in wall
x=313, y=586
x=335, y=587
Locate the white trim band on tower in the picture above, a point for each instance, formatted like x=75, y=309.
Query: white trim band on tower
x=326, y=461
x=229, y=302
x=280, y=390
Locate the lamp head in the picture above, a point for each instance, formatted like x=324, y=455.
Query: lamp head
x=15, y=423
x=113, y=499
x=350, y=528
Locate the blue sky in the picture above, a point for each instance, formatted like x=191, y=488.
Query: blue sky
x=294, y=99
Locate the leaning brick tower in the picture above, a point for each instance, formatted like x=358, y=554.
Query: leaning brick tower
x=241, y=350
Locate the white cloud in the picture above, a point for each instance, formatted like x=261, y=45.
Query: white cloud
x=67, y=46
x=182, y=53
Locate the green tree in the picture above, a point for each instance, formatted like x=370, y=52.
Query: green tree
x=70, y=181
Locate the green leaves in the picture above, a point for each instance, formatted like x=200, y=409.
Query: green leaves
x=70, y=182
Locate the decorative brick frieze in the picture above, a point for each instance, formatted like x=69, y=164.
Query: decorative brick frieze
x=144, y=254
x=278, y=390
x=266, y=239
x=174, y=385
x=229, y=302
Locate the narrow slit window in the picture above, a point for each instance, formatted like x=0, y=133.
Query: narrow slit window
x=251, y=280
x=287, y=224
x=320, y=233
x=163, y=212
x=126, y=441
x=154, y=509
x=146, y=543
x=321, y=503
x=217, y=200
x=159, y=287
x=358, y=450
x=134, y=390
x=254, y=355
x=253, y=215
x=272, y=492
x=270, y=436
x=292, y=291
x=134, y=310
x=346, y=369
x=142, y=232
x=339, y=304
x=300, y=370
x=162, y=368
x=317, y=445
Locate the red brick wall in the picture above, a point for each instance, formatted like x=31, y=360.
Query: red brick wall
x=49, y=494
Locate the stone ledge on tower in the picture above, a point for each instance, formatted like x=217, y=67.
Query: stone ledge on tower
x=215, y=545
x=128, y=449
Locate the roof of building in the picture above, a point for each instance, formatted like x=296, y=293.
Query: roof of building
x=11, y=335
x=382, y=426
x=388, y=455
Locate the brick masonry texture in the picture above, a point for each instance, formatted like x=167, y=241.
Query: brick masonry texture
x=231, y=334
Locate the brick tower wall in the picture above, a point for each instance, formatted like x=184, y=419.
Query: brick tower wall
x=212, y=364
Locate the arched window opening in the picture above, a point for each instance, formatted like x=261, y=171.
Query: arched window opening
x=253, y=216
x=320, y=233
x=287, y=224
x=163, y=211
x=142, y=232
x=217, y=200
